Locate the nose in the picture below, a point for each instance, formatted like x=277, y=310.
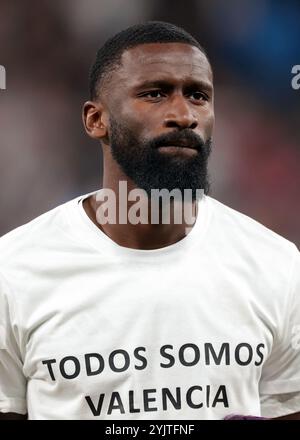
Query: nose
x=180, y=115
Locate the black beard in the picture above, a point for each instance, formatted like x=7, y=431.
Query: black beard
x=149, y=169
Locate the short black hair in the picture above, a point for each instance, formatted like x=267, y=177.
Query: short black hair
x=109, y=55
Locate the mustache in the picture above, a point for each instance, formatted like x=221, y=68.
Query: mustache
x=184, y=137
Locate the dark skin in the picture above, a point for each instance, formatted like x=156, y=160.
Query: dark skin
x=183, y=100
x=171, y=107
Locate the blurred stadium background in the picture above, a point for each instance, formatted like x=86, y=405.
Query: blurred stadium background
x=47, y=48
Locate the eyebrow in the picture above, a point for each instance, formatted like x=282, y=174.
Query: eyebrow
x=203, y=85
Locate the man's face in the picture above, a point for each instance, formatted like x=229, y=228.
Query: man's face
x=161, y=116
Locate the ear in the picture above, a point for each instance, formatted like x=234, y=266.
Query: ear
x=93, y=120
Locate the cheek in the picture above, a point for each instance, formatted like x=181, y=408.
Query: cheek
x=209, y=123
x=136, y=119
x=130, y=115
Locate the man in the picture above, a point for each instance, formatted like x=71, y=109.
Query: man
x=150, y=319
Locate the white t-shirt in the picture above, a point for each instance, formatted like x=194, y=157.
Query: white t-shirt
x=200, y=329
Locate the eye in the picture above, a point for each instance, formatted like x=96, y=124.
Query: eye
x=199, y=96
x=152, y=94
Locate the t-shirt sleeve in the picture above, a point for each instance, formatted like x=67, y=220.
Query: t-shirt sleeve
x=12, y=379
x=280, y=380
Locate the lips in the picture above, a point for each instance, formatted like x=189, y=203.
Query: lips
x=184, y=151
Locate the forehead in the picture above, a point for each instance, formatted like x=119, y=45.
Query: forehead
x=166, y=60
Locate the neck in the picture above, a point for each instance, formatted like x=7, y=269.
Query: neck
x=137, y=221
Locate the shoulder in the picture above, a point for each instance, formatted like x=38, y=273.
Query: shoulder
x=40, y=233
x=250, y=237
